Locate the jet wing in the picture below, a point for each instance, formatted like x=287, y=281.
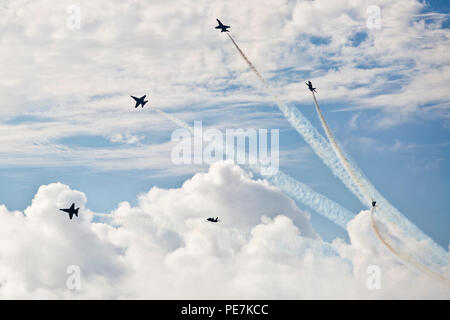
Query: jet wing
x=137, y=99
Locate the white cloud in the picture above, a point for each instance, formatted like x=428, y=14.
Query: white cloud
x=125, y=138
x=265, y=247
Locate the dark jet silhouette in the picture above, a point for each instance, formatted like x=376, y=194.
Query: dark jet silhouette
x=71, y=211
x=310, y=87
x=213, y=220
x=222, y=27
x=140, y=101
x=374, y=203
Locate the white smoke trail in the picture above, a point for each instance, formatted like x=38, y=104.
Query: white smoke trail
x=318, y=202
x=323, y=149
x=295, y=189
x=173, y=119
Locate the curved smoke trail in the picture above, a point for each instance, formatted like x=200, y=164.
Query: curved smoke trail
x=295, y=189
x=403, y=256
x=352, y=179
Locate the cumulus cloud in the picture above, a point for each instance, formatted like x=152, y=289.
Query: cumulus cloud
x=264, y=247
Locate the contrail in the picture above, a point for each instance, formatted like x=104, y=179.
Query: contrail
x=323, y=149
x=295, y=189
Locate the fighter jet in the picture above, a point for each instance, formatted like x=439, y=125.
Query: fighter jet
x=222, y=27
x=310, y=87
x=140, y=101
x=374, y=203
x=213, y=220
x=71, y=211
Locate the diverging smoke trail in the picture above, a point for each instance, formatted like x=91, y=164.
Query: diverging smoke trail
x=309, y=133
x=437, y=254
x=325, y=151
x=295, y=189
x=318, y=202
x=402, y=255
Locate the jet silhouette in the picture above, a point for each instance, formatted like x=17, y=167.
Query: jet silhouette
x=71, y=211
x=374, y=203
x=222, y=27
x=310, y=87
x=140, y=101
x=213, y=220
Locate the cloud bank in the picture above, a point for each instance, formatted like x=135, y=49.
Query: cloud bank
x=265, y=247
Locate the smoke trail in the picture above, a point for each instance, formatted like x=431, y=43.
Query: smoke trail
x=364, y=185
x=295, y=189
x=437, y=254
x=251, y=65
x=339, y=153
x=403, y=256
x=353, y=183
x=318, y=202
x=309, y=133
x=173, y=119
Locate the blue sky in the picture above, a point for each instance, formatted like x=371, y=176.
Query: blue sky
x=400, y=140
